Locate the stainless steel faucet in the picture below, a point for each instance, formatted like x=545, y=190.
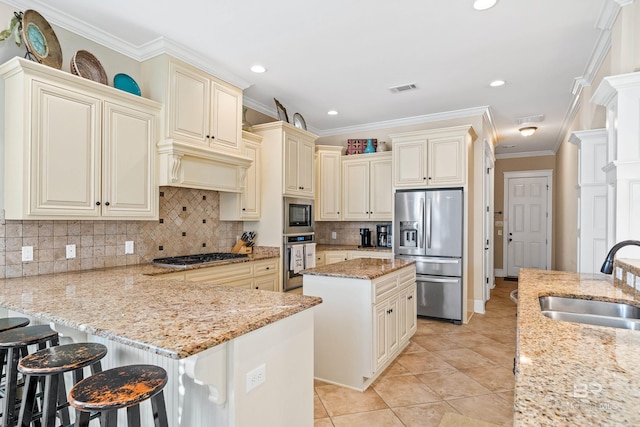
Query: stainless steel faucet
x=607, y=266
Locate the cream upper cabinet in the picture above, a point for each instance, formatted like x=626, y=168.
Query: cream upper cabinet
x=328, y=183
x=202, y=109
x=246, y=205
x=101, y=166
x=367, y=190
x=299, y=153
x=431, y=158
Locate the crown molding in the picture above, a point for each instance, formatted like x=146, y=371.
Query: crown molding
x=140, y=53
x=526, y=154
x=491, y=125
x=427, y=118
x=579, y=136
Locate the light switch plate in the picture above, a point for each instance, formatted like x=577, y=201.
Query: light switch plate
x=128, y=247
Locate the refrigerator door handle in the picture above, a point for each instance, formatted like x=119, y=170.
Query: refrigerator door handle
x=435, y=280
x=421, y=232
x=428, y=223
x=441, y=261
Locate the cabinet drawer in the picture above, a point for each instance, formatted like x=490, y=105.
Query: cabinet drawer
x=269, y=266
x=243, y=283
x=406, y=277
x=221, y=274
x=386, y=286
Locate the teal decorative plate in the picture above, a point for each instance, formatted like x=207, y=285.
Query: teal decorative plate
x=40, y=39
x=126, y=83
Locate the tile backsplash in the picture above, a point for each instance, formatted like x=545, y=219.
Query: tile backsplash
x=347, y=232
x=189, y=223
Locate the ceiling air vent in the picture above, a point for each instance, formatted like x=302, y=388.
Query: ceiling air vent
x=403, y=88
x=530, y=119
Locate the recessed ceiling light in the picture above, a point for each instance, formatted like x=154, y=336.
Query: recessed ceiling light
x=258, y=69
x=484, y=4
x=528, y=131
x=497, y=83
x=332, y=112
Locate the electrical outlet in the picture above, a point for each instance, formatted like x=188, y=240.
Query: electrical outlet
x=71, y=251
x=256, y=377
x=333, y=235
x=128, y=247
x=27, y=253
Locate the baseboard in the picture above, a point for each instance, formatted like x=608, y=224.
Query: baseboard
x=499, y=272
x=478, y=306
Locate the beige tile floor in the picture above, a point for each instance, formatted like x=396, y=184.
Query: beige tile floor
x=449, y=375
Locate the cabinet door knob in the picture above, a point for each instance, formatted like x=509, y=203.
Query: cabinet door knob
x=429, y=177
x=267, y=268
x=97, y=203
x=213, y=137
x=410, y=297
x=424, y=178
x=106, y=203
x=244, y=209
x=208, y=136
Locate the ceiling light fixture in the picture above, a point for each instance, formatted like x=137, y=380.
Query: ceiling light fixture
x=528, y=131
x=484, y=4
x=497, y=83
x=332, y=112
x=258, y=69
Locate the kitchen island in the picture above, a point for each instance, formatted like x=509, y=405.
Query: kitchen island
x=207, y=337
x=367, y=316
x=572, y=373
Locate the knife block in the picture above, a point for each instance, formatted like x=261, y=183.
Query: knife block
x=241, y=248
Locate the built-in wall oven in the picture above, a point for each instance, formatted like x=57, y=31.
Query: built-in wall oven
x=299, y=253
x=298, y=216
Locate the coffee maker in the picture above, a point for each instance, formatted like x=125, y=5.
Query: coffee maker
x=365, y=238
x=383, y=236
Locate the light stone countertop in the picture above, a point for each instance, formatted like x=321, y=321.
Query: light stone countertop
x=571, y=373
x=359, y=268
x=323, y=247
x=170, y=317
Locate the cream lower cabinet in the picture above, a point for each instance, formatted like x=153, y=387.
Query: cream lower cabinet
x=328, y=194
x=332, y=257
x=246, y=205
x=262, y=274
x=431, y=158
x=75, y=148
x=361, y=325
x=367, y=187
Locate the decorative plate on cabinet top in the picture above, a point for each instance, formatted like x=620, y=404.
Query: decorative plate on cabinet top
x=282, y=112
x=298, y=121
x=84, y=64
x=40, y=39
x=126, y=83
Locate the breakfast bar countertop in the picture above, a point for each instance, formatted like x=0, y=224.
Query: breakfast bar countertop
x=359, y=268
x=571, y=373
x=169, y=317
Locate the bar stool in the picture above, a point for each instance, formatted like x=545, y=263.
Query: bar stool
x=15, y=342
x=51, y=363
x=6, y=324
x=123, y=387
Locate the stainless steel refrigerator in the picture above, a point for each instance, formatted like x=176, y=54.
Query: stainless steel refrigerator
x=429, y=231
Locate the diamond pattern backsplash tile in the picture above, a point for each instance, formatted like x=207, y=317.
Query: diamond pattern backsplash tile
x=189, y=223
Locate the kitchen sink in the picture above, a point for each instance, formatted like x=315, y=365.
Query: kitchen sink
x=591, y=312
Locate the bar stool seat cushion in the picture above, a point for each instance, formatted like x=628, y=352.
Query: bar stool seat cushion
x=118, y=388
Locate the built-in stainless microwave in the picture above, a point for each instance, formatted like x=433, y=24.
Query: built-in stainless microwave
x=298, y=215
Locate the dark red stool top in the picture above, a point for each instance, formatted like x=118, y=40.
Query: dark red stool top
x=118, y=388
x=7, y=323
x=62, y=358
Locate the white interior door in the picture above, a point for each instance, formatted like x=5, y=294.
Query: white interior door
x=528, y=219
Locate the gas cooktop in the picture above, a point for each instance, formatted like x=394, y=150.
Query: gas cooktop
x=186, y=260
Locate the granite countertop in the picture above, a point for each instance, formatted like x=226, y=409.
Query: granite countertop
x=170, y=317
x=323, y=247
x=572, y=373
x=359, y=268
x=259, y=253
